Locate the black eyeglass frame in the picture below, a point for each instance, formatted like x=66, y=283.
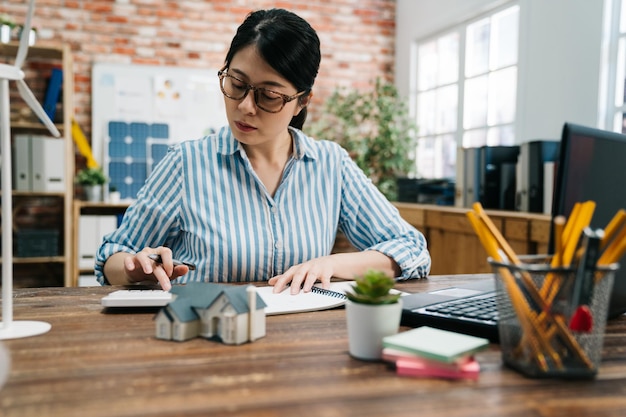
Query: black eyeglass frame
x=286, y=98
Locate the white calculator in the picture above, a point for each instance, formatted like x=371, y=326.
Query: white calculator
x=138, y=298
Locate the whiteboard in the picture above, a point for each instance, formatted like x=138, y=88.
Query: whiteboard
x=188, y=100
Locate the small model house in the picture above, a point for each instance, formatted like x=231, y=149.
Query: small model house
x=232, y=314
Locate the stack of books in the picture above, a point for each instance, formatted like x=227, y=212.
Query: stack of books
x=430, y=352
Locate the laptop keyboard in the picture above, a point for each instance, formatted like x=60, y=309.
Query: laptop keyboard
x=481, y=308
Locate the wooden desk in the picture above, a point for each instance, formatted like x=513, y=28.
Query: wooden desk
x=95, y=364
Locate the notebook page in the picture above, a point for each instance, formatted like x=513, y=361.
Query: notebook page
x=285, y=303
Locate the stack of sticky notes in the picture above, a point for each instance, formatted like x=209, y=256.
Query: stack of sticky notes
x=430, y=352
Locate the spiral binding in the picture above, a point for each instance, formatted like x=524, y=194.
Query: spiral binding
x=330, y=293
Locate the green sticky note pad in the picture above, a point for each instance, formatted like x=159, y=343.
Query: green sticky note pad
x=436, y=344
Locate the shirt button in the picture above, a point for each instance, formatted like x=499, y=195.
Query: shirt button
x=274, y=209
x=278, y=245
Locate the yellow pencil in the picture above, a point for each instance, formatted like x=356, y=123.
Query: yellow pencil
x=582, y=220
x=571, y=220
x=612, y=227
x=559, y=225
x=614, y=251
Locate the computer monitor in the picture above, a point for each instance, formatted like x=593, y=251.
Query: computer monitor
x=592, y=166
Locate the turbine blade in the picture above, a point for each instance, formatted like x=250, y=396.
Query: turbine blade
x=32, y=102
x=22, y=50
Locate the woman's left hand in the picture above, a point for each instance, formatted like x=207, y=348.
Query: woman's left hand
x=304, y=275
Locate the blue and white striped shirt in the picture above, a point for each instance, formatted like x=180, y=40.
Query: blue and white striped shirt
x=205, y=202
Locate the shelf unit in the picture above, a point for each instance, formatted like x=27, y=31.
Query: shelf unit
x=40, y=60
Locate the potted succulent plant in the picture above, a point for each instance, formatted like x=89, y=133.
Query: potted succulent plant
x=92, y=180
x=114, y=195
x=373, y=311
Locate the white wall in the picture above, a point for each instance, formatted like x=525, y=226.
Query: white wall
x=559, y=56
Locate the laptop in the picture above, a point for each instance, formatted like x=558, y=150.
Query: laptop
x=469, y=309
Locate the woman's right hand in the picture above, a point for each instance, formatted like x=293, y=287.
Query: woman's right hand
x=140, y=268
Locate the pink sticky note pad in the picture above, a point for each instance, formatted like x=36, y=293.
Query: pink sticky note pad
x=423, y=368
x=393, y=355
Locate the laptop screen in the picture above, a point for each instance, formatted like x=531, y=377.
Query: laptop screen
x=592, y=166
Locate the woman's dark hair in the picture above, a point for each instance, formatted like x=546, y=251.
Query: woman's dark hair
x=287, y=43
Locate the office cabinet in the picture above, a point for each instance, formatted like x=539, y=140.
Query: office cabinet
x=452, y=242
x=92, y=220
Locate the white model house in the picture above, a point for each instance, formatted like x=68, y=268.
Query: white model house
x=232, y=314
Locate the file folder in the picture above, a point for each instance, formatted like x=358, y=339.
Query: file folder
x=22, y=168
x=48, y=165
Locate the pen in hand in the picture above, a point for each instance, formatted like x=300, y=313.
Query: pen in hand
x=157, y=258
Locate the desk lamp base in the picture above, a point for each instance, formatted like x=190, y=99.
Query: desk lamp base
x=20, y=329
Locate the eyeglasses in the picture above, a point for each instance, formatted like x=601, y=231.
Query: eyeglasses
x=267, y=100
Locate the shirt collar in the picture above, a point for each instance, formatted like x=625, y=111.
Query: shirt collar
x=303, y=146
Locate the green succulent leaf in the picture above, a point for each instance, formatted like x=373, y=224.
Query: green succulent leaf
x=373, y=288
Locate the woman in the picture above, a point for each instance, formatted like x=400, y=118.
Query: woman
x=260, y=200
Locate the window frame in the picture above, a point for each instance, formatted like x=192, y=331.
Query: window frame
x=608, y=109
x=461, y=30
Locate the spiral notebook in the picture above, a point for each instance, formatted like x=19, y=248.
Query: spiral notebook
x=318, y=299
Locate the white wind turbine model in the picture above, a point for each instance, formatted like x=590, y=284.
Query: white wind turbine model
x=10, y=329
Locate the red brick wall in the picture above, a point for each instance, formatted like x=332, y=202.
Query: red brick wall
x=357, y=36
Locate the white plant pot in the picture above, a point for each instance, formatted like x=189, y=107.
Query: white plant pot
x=93, y=192
x=114, y=197
x=5, y=33
x=368, y=324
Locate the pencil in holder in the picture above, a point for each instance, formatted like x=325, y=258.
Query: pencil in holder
x=552, y=319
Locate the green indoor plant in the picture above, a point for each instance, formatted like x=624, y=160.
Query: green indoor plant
x=92, y=180
x=373, y=311
x=375, y=127
x=91, y=176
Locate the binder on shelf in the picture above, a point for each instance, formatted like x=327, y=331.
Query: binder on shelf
x=549, y=173
x=468, y=177
x=48, y=167
x=91, y=231
x=87, y=245
x=22, y=164
x=459, y=189
x=497, y=176
x=535, y=176
x=53, y=92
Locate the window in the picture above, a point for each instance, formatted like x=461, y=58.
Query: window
x=615, y=66
x=466, y=90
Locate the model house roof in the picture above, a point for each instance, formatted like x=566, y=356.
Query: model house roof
x=238, y=298
x=201, y=295
x=181, y=307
